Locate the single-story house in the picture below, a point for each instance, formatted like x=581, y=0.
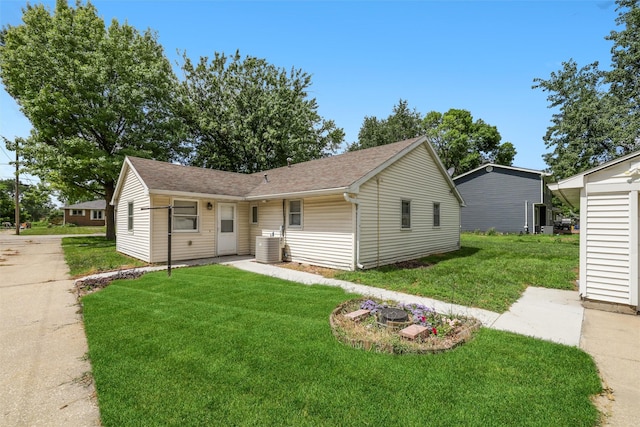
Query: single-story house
x=359, y=209
x=607, y=196
x=86, y=213
x=505, y=198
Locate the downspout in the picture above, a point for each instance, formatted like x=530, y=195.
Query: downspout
x=285, y=254
x=356, y=202
x=526, y=217
x=378, y=221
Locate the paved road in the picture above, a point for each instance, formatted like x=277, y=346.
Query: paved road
x=43, y=374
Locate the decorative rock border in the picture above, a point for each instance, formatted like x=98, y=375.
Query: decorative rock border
x=397, y=345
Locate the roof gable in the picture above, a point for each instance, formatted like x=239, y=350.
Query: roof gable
x=333, y=173
x=568, y=189
x=495, y=166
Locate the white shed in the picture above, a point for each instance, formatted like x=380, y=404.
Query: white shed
x=607, y=196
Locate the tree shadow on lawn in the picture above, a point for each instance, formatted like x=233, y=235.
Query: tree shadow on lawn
x=429, y=261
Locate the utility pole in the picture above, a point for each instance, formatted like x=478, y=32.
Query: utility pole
x=17, y=213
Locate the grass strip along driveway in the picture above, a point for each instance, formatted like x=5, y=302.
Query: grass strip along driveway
x=42, y=230
x=489, y=272
x=92, y=254
x=219, y=346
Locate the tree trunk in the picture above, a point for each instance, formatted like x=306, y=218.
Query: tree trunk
x=110, y=211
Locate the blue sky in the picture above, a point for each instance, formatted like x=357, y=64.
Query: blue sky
x=364, y=56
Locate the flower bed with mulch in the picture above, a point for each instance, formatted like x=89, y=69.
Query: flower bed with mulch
x=442, y=332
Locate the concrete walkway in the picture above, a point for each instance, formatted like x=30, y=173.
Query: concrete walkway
x=44, y=376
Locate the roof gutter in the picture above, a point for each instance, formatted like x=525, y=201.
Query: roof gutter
x=300, y=194
x=192, y=195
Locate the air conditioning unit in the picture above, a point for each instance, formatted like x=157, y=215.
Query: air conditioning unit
x=268, y=249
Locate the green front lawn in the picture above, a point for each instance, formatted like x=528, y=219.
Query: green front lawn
x=489, y=272
x=218, y=346
x=93, y=254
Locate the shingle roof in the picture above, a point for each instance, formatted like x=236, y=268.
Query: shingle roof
x=94, y=204
x=334, y=174
x=326, y=174
x=171, y=177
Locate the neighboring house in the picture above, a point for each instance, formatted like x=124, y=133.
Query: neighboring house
x=505, y=198
x=607, y=197
x=86, y=213
x=360, y=209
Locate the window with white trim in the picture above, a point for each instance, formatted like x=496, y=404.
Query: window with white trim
x=436, y=214
x=77, y=212
x=295, y=213
x=130, y=216
x=406, y=214
x=254, y=214
x=96, y=214
x=185, y=215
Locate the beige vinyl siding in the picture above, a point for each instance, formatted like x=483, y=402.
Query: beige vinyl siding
x=243, y=230
x=607, y=254
x=134, y=243
x=415, y=177
x=326, y=237
x=269, y=219
x=184, y=244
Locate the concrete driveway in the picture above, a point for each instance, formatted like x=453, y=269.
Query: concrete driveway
x=45, y=378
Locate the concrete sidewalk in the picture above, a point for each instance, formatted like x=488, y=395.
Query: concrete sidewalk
x=549, y=314
x=45, y=378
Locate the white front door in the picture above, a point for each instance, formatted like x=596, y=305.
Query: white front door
x=227, y=229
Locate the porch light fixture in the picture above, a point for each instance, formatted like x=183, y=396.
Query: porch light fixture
x=209, y=206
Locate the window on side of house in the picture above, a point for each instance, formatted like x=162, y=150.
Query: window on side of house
x=254, y=214
x=406, y=214
x=436, y=214
x=295, y=213
x=130, y=216
x=96, y=214
x=77, y=212
x=185, y=215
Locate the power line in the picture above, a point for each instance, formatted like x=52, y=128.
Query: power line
x=6, y=153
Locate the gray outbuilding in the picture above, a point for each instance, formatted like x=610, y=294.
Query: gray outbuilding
x=505, y=198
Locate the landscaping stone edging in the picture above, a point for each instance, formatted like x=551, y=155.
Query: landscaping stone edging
x=432, y=346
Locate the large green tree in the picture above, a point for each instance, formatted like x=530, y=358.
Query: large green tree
x=93, y=95
x=35, y=201
x=581, y=135
x=403, y=123
x=247, y=115
x=461, y=143
x=464, y=144
x=597, y=112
